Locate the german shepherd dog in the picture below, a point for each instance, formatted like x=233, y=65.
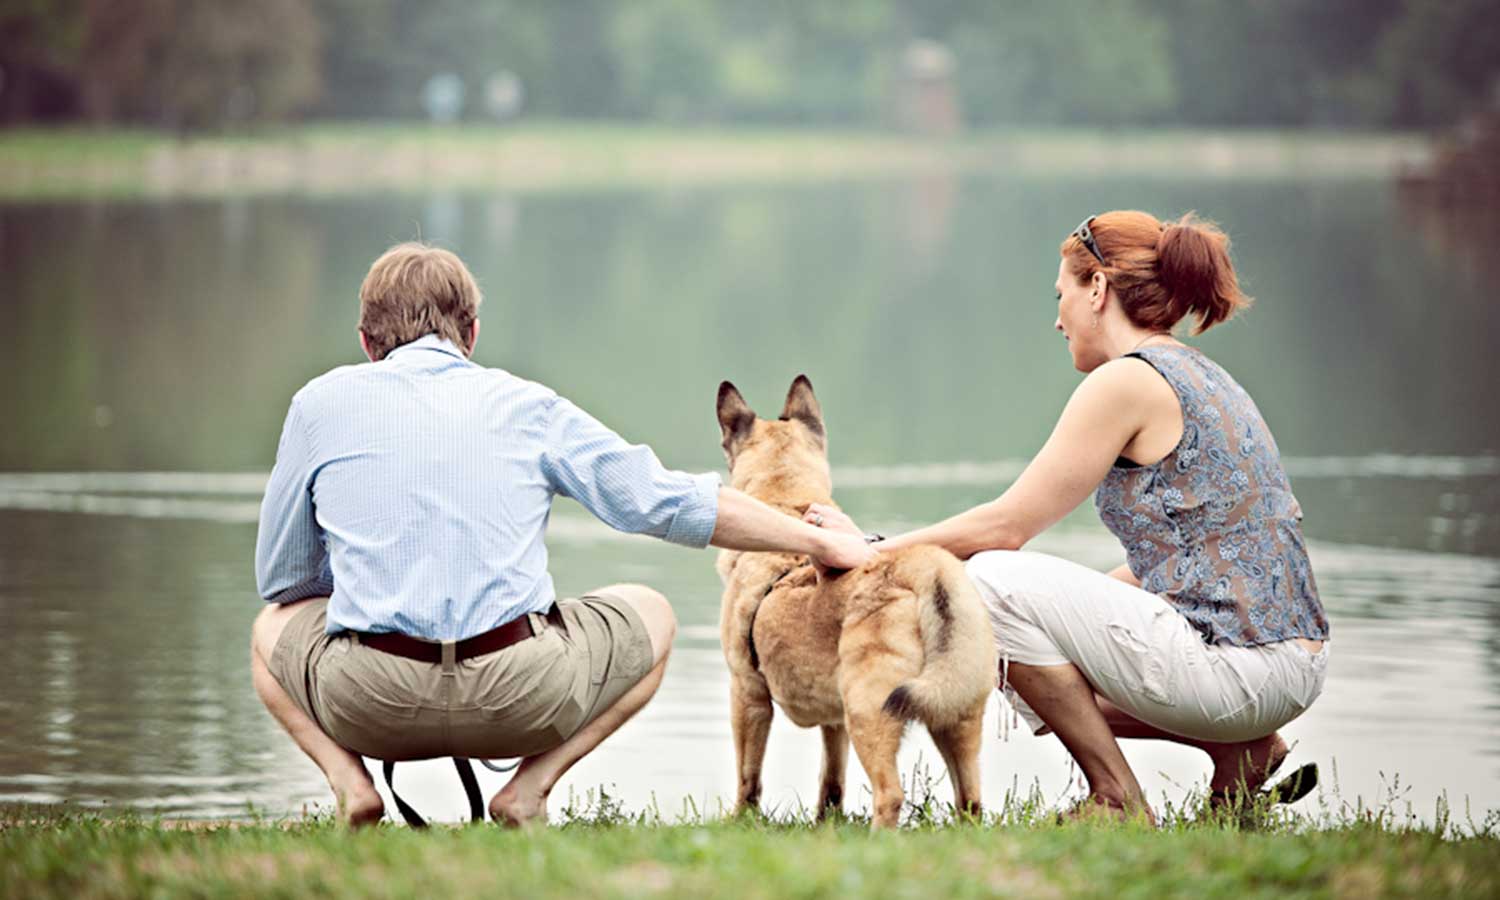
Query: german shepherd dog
x=859, y=655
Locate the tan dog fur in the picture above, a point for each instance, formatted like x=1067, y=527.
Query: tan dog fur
x=904, y=637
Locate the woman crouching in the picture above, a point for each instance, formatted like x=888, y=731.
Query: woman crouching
x=1211, y=634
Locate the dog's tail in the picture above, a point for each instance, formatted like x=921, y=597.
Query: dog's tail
x=960, y=669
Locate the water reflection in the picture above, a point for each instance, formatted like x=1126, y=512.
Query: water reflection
x=167, y=338
x=128, y=682
x=191, y=323
x=1465, y=234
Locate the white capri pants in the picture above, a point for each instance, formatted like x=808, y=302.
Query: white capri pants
x=1139, y=652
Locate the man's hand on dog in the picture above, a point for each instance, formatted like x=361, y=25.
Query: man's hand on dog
x=843, y=551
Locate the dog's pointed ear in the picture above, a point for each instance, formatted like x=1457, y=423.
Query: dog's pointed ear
x=735, y=418
x=803, y=407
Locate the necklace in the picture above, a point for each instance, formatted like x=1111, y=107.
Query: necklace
x=1142, y=342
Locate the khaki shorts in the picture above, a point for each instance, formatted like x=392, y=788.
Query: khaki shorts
x=519, y=701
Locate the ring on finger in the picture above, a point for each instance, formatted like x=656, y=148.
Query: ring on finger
x=818, y=519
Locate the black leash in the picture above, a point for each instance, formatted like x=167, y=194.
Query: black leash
x=465, y=775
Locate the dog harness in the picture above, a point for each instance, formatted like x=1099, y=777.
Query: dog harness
x=750, y=632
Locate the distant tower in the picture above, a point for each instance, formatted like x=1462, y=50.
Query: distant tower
x=926, y=97
x=504, y=96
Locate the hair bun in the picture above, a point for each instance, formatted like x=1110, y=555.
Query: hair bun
x=1194, y=269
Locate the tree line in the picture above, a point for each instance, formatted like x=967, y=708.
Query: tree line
x=191, y=64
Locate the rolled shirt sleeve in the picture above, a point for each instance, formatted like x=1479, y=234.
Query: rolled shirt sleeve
x=624, y=484
x=291, y=560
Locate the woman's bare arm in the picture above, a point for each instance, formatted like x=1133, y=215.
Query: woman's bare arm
x=1101, y=418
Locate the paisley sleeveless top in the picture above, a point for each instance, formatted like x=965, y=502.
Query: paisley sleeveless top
x=1213, y=527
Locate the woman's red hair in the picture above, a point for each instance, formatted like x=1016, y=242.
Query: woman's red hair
x=1162, y=272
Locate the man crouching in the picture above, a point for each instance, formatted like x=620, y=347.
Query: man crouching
x=401, y=549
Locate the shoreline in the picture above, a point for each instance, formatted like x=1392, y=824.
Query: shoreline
x=40, y=164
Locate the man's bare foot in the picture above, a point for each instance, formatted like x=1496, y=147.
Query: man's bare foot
x=359, y=804
x=514, y=807
x=1247, y=766
x=1097, y=808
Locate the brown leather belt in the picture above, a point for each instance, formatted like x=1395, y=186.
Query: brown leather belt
x=512, y=632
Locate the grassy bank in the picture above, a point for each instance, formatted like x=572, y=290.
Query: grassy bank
x=339, y=158
x=48, y=853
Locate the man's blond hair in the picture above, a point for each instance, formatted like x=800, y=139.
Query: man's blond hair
x=413, y=290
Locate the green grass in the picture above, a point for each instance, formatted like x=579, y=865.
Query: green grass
x=90, y=857
x=596, y=848
x=539, y=155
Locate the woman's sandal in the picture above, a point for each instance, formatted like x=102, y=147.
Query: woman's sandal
x=1288, y=790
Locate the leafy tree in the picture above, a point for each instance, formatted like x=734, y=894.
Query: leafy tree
x=40, y=42
x=1093, y=61
x=198, y=63
x=1270, y=61
x=669, y=65
x=1439, y=60
x=203, y=63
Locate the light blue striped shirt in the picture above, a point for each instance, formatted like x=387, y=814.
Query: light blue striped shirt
x=415, y=493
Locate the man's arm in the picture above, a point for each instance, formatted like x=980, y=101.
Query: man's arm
x=291, y=562
x=745, y=523
x=628, y=488
x=1122, y=573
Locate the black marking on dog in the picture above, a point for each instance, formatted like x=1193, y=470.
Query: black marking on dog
x=802, y=406
x=736, y=420
x=750, y=632
x=775, y=581
x=945, y=612
x=812, y=425
x=900, y=704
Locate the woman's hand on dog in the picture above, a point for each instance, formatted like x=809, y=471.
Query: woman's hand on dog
x=847, y=546
x=831, y=519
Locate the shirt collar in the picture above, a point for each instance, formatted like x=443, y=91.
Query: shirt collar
x=429, y=342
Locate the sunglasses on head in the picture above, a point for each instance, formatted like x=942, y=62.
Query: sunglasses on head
x=1085, y=235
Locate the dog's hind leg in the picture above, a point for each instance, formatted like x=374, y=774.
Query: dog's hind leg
x=876, y=735
x=959, y=744
x=835, y=764
x=750, y=719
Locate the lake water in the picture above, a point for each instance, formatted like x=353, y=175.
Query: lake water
x=152, y=347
